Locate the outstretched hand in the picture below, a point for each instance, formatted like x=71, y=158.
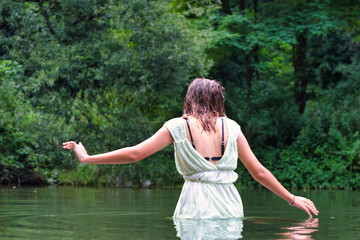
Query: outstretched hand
x=79, y=150
x=305, y=204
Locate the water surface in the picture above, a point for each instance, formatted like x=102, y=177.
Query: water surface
x=106, y=213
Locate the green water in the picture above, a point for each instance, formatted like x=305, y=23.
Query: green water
x=103, y=213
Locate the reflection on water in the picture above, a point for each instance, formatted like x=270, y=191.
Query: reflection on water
x=302, y=230
x=233, y=228
x=209, y=229
x=103, y=213
x=296, y=230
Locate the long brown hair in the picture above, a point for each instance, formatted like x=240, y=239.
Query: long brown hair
x=205, y=101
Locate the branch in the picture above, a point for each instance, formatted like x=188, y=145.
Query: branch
x=46, y=16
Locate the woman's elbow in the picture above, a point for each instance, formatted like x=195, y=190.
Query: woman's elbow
x=134, y=155
x=259, y=174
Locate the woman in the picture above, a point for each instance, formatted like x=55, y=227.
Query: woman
x=207, y=145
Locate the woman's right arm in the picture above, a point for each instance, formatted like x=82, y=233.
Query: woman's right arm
x=158, y=141
x=265, y=177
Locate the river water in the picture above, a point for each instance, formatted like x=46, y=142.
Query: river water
x=107, y=213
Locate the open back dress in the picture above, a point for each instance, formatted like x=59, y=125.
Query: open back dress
x=208, y=191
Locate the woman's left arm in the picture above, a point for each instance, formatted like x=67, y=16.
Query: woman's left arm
x=158, y=141
x=265, y=178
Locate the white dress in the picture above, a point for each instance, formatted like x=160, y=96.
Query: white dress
x=208, y=191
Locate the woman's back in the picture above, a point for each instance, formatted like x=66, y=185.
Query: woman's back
x=189, y=160
x=208, y=144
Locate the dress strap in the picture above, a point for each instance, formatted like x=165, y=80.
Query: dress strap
x=212, y=158
x=192, y=140
x=222, y=138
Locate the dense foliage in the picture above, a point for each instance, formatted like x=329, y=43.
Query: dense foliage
x=110, y=73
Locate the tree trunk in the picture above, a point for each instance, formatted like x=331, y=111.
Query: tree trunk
x=249, y=74
x=241, y=4
x=226, y=6
x=300, y=71
x=254, y=53
x=255, y=2
x=256, y=60
x=256, y=47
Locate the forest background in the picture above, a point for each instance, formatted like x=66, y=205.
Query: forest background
x=110, y=73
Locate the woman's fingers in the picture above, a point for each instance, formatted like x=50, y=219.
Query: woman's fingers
x=79, y=150
x=66, y=145
x=313, y=209
x=308, y=212
x=311, y=206
x=69, y=145
x=307, y=205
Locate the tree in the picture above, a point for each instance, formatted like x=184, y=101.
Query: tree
x=112, y=71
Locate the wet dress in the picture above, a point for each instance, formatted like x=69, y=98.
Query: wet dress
x=208, y=191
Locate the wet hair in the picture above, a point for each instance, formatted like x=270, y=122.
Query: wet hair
x=205, y=101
